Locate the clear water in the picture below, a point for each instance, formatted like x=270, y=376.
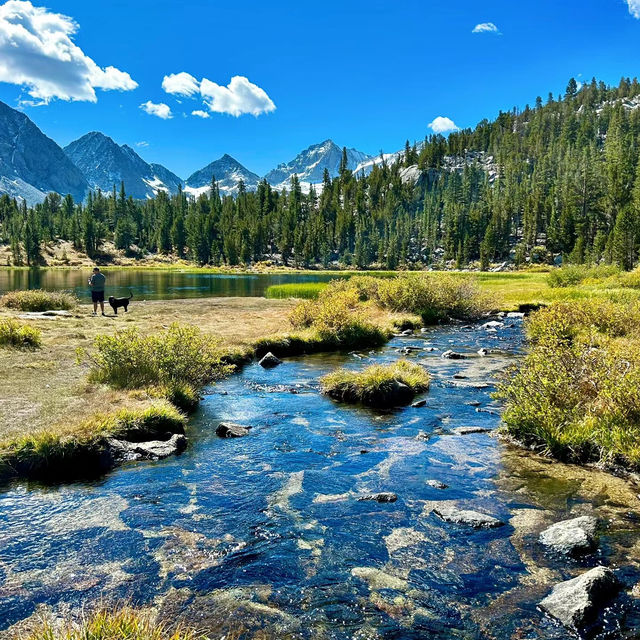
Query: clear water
x=153, y=284
x=267, y=530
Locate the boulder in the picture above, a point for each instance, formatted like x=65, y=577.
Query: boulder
x=515, y=314
x=453, y=355
x=407, y=332
x=467, y=517
x=232, y=430
x=483, y=351
x=576, y=602
x=150, y=450
x=379, y=497
x=493, y=324
x=269, y=361
x=396, y=394
x=419, y=403
x=436, y=484
x=571, y=537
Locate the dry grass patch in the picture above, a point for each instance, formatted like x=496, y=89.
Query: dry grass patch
x=39, y=300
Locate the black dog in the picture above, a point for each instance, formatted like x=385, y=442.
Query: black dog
x=116, y=303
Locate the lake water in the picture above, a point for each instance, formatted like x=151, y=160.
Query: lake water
x=153, y=284
x=267, y=531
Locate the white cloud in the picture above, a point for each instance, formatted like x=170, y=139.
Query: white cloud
x=37, y=51
x=159, y=109
x=200, y=113
x=486, y=27
x=142, y=143
x=180, y=84
x=442, y=124
x=240, y=96
x=634, y=8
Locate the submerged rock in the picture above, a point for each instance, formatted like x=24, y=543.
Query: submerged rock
x=379, y=497
x=232, y=430
x=453, y=355
x=575, y=603
x=269, y=361
x=571, y=537
x=436, y=484
x=467, y=517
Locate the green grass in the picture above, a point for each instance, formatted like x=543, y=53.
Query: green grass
x=576, y=394
x=19, y=336
x=377, y=385
x=62, y=453
x=120, y=624
x=305, y=290
x=38, y=300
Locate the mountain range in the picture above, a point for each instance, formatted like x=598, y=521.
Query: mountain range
x=32, y=165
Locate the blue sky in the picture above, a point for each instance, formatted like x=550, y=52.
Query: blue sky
x=368, y=74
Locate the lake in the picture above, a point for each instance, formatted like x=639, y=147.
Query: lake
x=267, y=530
x=154, y=284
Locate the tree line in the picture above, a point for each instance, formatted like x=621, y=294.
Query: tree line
x=561, y=177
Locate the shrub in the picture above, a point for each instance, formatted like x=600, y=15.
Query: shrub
x=574, y=274
x=576, y=395
x=377, y=385
x=39, y=300
x=121, y=624
x=19, y=336
x=180, y=360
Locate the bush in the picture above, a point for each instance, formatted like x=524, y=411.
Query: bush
x=576, y=395
x=377, y=385
x=574, y=274
x=39, y=300
x=121, y=624
x=79, y=451
x=19, y=336
x=179, y=361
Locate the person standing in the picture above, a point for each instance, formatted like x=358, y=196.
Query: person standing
x=96, y=284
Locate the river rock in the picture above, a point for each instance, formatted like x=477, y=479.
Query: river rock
x=419, y=403
x=571, y=537
x=465, y=431
x=232, y=430
x=379, y=497
x=407, y=332
x=493, y=324
x=483, y=352
x=150, y=450
x=515, y=314
x=396, y=394
x=453, y=355
x=468, y=517
x=269, y=361
x=436, y=484
x=424, y=330
x=576, y=602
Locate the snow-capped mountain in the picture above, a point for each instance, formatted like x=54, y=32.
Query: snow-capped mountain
x=309, y=165
x=31, y=164
x=105, y=163
x=228, y=173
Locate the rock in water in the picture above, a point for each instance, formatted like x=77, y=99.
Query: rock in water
x=379, y=497
x=269, y=361
x=231, y=430
x=419, y=403
x=407, y=332
x=453, y=355
x=483, y=352
x=465, y=431
x=150, y=450
x=571, y=537
x=575, y=603
x=436, y=484
x=475, y=519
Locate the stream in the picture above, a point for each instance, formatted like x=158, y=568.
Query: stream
x=267, y=532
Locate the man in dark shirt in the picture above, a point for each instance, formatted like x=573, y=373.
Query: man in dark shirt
x=96, y=283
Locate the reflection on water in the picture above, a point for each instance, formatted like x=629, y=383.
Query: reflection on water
x=267, y=529
x=153, y=284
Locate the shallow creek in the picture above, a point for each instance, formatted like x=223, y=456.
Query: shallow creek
x=266, y=531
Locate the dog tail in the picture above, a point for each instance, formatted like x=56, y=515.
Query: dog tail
x=130, y=294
